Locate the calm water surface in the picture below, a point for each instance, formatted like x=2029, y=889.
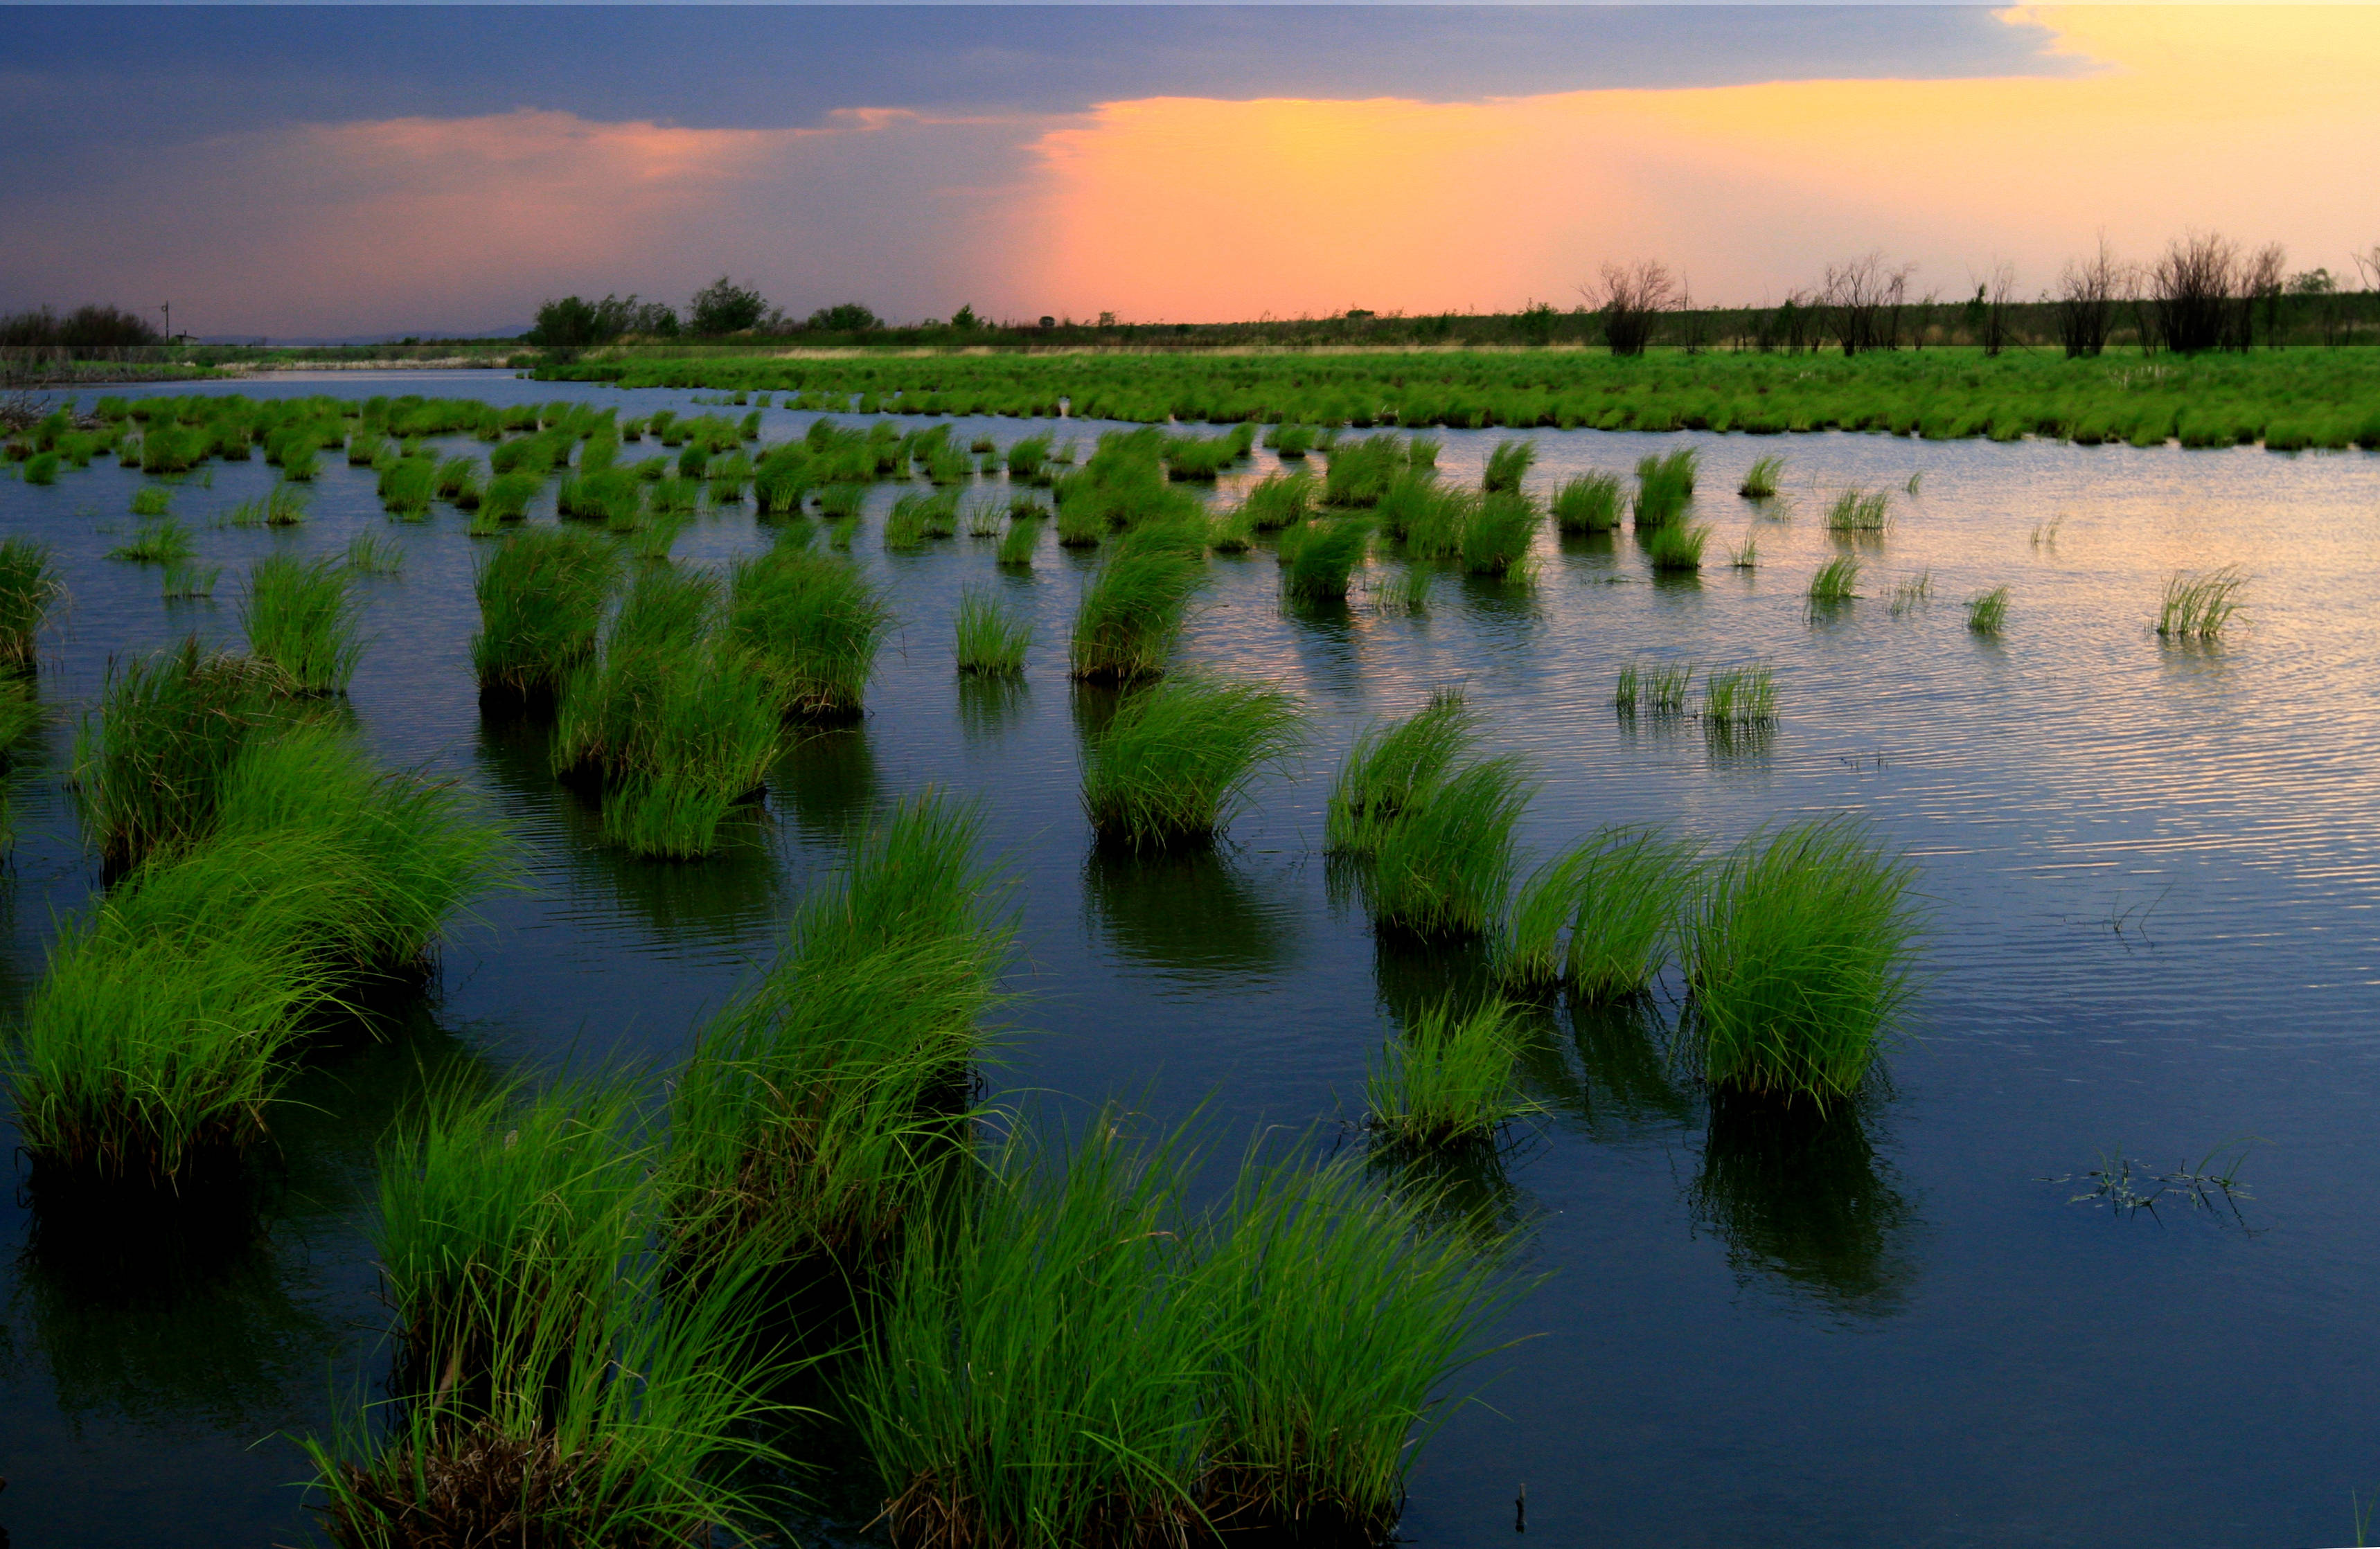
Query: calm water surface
x=2150, y=872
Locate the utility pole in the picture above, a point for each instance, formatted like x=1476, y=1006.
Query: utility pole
x=168, y=309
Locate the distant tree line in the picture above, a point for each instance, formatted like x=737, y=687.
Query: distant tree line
x=720, y=310
x=90, y=326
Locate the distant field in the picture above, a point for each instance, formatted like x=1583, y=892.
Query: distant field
x=2288, y=399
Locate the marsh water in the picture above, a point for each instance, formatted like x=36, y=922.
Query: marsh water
x=2149, y=872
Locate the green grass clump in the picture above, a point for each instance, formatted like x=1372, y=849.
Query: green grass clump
x=1675, y=547
x=1760, y=479
x=371, y=554
x=299, y=618
x=1069, y=1349
x=406, y=485
x=152, y=500
x=1034, y=1375
x=1797, y=962
x=1360, y=469
x=1507, y=465
x=1278, y=500
x=285, y=506
x=1199, y=457
x=507, y=496
x=1447, y=1084
x=148, y=767
x=158, y=1034
x=457, y=480
x=1665, y=485
x=1741, y=695
x=1602, y=918
x=1290, y=441
x=552, y=1388
x=1666, y=684
x=672, y=722
x=1318, y=557
x=185, y=579
x=1837, y=582
x=1174, y=763
x=1441, y=870
x=1988, y=611
x=1860, y=511
x=1588, y=504
x=542, y=596
x=1026, y=458
x=818, y=1107
x=1391, y=764
x=1132, y=613
x=42, y=467
x=20, y=713
x=1017, y=545
x=408, y=854
x=161, y=540
x=2198, y=607
x=1496, y=534
x=990, y=640
x=812, y=623
x=29, y=587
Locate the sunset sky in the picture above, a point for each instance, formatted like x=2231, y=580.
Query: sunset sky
x=302, y=170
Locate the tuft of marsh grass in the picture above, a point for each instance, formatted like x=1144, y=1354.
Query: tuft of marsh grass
x=1631, y=687
x=819, y=1106
x=1588, y=504
x=1741, y=695
x=1390, y=763
x=1860, y=511
x=20, y=713
x=1036, y=1368
x=1449, y=1083
x=990, y=640
x=1174, y=763
x=152, y=500
x=1508, y=466
x=185, y=579
x=157, y=1037
x=1988, y=611
x=1017, y=544
x=158, y=541
x=1130, y=614
x=148, y=767
x=1407, y=593
x=1496, y=534
x=541, y=597
x=1665, y=485
x=371, y=554
x=285, y=506
x=1746, y=556
x=1664, y=683
x=1604, y=918
x=1441, y=869
x=1280, y=499
x=1797, y=962
x=29, y=587
x=506, y=498
x=1318, y=557
x=1339, y=1314
x=1837, y=582
x=1912, y=596
x=299, y=618
x=1675, y=547
x=1760, y=479
x=2198, y=607
x=813, y=623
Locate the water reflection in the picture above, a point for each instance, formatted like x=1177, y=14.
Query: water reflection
x=990, y=707
x=715, y=900
x=827, y=781
x=1732, y=746
x=212, y=1308
x=1199, y=915
x=1806, y=1206
x=1605, y=1069
x=1325, y=640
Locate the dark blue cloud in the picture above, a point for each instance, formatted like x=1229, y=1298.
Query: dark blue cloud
x=177, y=72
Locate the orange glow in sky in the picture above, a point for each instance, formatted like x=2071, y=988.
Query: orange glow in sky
x=2260, y=122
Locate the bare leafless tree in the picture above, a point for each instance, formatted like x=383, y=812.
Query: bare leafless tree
x=2193, y=284
x=2367, y=266
x=1861, y=301
x=2088, y=291
x=2264, y=278
x=1995, y=294
x=1632, y=297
